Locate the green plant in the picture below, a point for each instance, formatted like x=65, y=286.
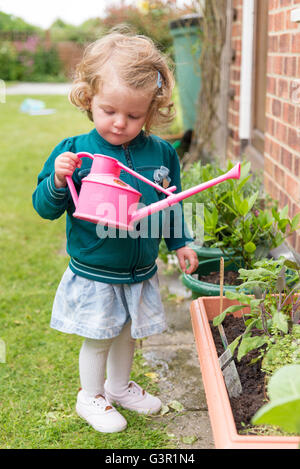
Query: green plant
x=274, y=312
x=34, y=63
x=9, y=66
x=152, y=21
x=12, y=23
x=238, y=217
x=88, y=31
x=283, y=410
x=284, y=349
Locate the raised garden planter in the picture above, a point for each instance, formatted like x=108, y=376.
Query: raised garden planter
x=203, y=310
x=205, y=288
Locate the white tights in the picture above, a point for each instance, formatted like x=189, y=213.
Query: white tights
x=114, y=356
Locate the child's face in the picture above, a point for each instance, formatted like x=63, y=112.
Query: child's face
x=119, y=112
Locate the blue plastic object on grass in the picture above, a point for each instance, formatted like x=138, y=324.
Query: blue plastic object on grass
x=35, y=107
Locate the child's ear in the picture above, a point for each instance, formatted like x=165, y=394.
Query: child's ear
x=88, y=103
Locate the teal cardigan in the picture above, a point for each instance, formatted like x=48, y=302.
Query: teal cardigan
x=94, y=254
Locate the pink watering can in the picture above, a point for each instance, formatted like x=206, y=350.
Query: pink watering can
x=107, y=200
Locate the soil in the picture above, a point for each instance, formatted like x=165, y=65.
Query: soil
x=251, y=376
x=230, y=278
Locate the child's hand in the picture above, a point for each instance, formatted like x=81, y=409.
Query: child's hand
x=187, y=254
x=65, y=165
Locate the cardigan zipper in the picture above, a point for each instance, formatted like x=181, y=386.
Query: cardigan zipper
x=128, y=157
x=138, y=239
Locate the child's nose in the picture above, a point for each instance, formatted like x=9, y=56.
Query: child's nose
x=120, y=121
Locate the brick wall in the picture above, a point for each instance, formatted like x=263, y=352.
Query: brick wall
x=282, y=136
x=233, y=143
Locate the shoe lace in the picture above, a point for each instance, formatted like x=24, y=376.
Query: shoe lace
x=100, y=401
x=134, y=388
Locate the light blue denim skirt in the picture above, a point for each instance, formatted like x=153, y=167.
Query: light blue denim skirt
x=100, y=310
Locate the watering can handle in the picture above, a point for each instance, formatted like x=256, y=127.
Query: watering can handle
x=70, y=182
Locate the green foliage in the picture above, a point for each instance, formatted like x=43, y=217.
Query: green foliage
x=9, y=65
x=14, y=23
x=284, y=349
x=238, y=217
x=274, y=319
x=29, y=65
x=283, y=410
x=88, y=31
x=46, y=62
x=153, y=23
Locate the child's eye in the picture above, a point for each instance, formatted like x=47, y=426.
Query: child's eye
x=108, y=112
x=134, y=117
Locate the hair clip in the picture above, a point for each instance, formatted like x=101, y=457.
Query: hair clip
x=159, y=80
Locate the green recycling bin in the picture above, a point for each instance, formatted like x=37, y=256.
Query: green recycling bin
x=187, y=49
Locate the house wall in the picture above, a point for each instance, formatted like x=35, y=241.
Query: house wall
x=282, y=133
x=233, y=143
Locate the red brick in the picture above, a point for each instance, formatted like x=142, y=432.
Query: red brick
x=267, y=181
x=283, y=88
x=287, y=159
x=279, y=20
x=271, y=85
x=277, y=65
x=298, y=243
x=293, y=187
x=295, y=210
x=294, y=139
x=269, y=166
x=297, y=166
x=297, y=117
x=289, y=114
x=273, y=43
x=271, y=5
x=270, y=126
x=269, y=104
x=296, y=43
x=276, y=107
x=236, y=29
x=284, y=43
x=283, y=199
x=281, y=132
x=276, y=152
x=271, y=23
x=284, y=3
x=290, y=66
x=292, y=240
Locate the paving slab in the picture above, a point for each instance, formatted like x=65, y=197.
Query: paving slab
x=38, y=89
x=173, y=357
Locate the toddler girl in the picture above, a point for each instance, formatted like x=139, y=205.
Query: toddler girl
x=109, y=293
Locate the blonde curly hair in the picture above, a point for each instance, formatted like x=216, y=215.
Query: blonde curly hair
x=138, y=63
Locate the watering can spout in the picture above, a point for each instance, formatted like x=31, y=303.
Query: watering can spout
x=235, y=172
x=173, y=199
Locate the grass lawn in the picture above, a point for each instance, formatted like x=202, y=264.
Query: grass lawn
x=39, y=380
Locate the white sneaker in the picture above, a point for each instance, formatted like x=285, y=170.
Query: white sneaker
x=99, y=413
x=135, y=398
